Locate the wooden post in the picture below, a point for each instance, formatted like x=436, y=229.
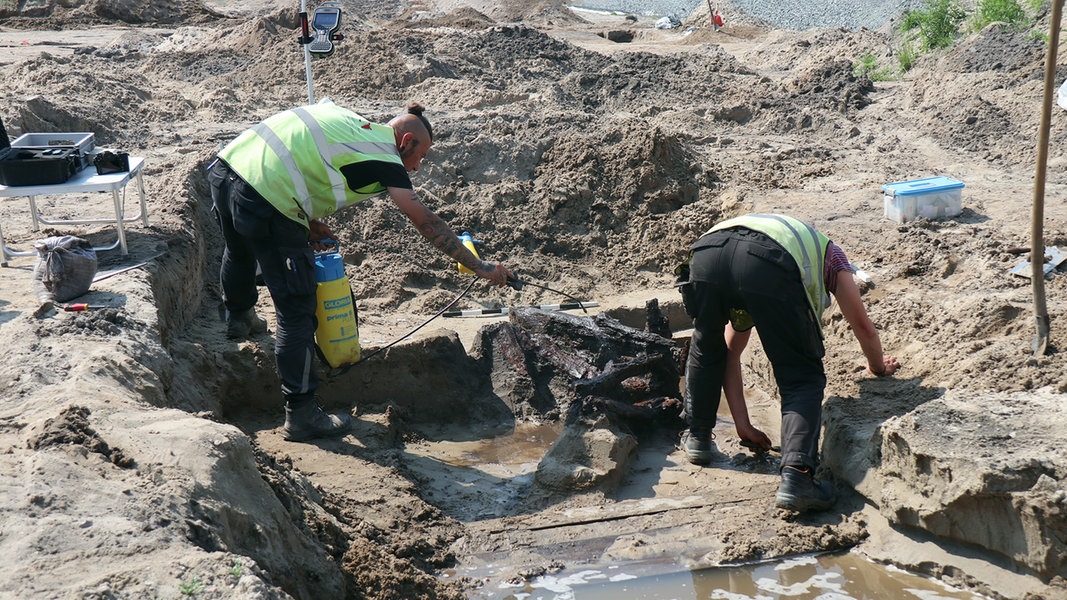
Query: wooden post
x=1037, y=244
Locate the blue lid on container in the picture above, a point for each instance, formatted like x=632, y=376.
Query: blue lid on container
x=922, y=186
x=329, y=266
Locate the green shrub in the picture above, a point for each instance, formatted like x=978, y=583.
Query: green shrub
x=905, y=57
x=938, y=23
x=910, y=20
x=1004, y=11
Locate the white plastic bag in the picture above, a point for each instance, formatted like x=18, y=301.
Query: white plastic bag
x=668, y=23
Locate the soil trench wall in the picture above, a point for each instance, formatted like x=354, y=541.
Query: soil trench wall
x=966, y=468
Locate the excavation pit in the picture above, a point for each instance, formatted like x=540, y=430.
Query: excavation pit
x=139, y=449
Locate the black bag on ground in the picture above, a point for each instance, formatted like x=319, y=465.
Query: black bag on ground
x=65, y=268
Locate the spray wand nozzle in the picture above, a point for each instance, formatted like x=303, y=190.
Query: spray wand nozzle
x=517, y=284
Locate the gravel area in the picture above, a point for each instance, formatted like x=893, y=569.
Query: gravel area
x=676, y=8
x=810, y=14
x=785, y=14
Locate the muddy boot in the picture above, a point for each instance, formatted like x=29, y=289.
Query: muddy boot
x=696, y=441
x=243, y=324
x=801, y=492
x=304, y=420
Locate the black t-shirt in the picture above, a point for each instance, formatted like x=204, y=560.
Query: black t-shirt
x=365, y=176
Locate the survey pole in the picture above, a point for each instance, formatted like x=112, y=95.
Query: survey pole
x=307, y=53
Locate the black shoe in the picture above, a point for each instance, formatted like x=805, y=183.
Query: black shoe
x=696, y=441
x=243, y=324
x=800, y=491
x=319, y=425
x=304, y=421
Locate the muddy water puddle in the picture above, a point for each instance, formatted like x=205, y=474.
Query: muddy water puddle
x=823, y=577
x=488, y=473
x=522, y=445
x=485, y=475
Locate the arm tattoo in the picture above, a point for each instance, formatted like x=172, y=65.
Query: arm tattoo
x=442, y=236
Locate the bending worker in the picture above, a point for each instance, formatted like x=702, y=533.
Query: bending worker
x=774, y=273
x=271, y=186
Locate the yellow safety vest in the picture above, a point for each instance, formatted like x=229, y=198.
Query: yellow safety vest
x=804, y=243
x=294, y=158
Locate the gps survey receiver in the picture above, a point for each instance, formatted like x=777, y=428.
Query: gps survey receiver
x=325, y=22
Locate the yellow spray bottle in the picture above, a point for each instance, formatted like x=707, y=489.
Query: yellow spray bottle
x=469, y=242
x=337, y=334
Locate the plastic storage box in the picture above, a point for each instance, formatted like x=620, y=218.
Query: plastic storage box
x=45, y=158
x=38, y=166
x=83, y=142
x=932, y=198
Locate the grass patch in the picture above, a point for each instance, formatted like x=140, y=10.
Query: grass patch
x=867, y=66
x=191, y=587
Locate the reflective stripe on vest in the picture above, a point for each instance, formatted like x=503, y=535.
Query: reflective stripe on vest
x=803, y=242
x=293, y=159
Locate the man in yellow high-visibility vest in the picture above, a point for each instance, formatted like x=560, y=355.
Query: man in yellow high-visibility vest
x=271, y=186
x=774, y=273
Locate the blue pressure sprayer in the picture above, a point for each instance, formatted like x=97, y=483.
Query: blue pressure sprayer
x=337, y=333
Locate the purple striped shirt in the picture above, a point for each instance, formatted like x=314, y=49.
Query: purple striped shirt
x=835, y=262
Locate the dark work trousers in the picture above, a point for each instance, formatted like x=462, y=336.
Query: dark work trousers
x=745, y=269
x=255, y=232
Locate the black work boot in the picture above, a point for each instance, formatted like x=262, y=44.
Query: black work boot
x=696, y=441
x=304, y=420
x=800, y=491
x=242, y=324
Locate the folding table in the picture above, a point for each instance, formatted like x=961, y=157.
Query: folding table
x=85, y=180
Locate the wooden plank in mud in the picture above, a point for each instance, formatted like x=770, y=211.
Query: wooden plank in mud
x=628, y=509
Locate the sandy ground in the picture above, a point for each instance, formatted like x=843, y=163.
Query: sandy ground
x=142, y=454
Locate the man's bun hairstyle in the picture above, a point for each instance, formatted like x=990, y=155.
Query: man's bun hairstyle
x=414, y=108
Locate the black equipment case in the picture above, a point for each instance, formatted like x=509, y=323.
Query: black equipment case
x=59, y=158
